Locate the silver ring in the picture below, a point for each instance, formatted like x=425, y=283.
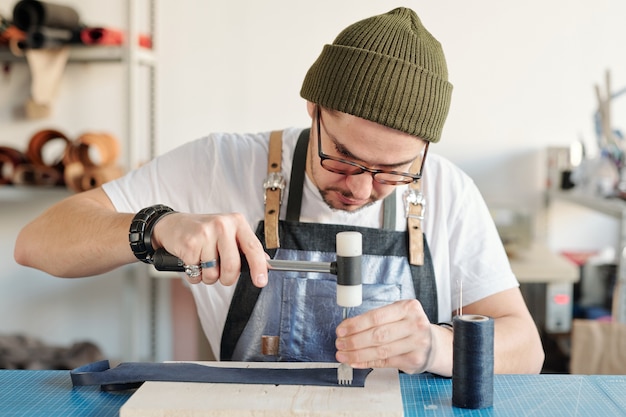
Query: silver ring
x=192, y=271
x=209, y=264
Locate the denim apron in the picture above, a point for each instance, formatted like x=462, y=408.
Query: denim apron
x=299, y=309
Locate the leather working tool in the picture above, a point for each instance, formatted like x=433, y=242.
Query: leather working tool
x=347, y=268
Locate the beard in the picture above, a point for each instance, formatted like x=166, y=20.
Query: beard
x=338, y=205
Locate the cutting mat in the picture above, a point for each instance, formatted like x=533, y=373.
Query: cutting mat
x=50, y=394
x=521, y=395
x=380, y=397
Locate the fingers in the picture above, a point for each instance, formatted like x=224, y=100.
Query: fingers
x=398, y=335
x=256, y=257
x=217, y=241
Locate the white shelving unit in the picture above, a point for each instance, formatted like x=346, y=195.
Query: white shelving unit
x=139, y=143
x=615, y=208
x=138, y=146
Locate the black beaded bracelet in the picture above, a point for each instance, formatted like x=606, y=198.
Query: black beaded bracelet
x=140, y=233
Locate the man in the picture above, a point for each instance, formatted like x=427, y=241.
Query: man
x=377, y=97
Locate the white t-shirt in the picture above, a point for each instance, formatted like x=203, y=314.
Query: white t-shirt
x=224, y=173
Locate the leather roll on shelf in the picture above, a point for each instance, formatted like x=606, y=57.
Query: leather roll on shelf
x=44, y=37
x=110, y=36
x=10, y=160
x=90, y=161
x=101, y=36
x=41, y=140
x=46, y=156
x=9, y=32
x=80, y=178
x=29, y=174
x=29, y=14
x=102, y=145
x=82, y=164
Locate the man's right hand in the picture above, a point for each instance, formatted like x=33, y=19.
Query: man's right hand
x=196, y=238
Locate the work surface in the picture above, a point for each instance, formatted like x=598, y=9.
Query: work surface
x=50, y=393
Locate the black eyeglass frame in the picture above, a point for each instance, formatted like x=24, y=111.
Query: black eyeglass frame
x=408, y=177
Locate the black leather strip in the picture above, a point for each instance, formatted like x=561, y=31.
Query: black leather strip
x=130, y=375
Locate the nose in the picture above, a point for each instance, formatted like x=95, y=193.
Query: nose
x=360, y=185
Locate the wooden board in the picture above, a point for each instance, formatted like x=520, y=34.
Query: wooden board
x=380, y=397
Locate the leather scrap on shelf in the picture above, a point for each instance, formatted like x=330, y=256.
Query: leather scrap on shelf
x=46, y=68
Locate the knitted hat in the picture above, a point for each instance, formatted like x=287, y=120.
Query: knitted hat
x=387, y=69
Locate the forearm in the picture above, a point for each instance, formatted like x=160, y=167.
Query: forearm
x=80, y=236
x=517, y=346
x=516, y=350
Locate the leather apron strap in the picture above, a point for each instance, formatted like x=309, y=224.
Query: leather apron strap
x=415, y=206
x=274, y=185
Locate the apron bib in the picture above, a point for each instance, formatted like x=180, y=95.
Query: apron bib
x=299, y=309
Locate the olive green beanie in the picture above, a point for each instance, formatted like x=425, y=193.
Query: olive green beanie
x=387, y=69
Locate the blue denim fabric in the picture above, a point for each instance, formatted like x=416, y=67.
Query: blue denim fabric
x=301, y=308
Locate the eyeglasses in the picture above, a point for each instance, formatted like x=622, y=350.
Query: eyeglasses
x=345, y=167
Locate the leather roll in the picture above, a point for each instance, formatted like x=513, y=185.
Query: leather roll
x=79, y=178
x=93, y=149
x=9, y=31
x=10, y=160
x=46, y=150
x=90, y=161
x=41, y=143
x=95, y=177
x=49, y=38
x=101, y=36
x=109, y=36
x=30, y=14
x=29, y=174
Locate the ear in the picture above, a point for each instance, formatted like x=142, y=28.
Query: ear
x=311, y=109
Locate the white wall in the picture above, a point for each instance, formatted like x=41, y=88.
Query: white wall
x=523, y=73
x=523, y=76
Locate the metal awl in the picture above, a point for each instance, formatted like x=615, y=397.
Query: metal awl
x=344, y=371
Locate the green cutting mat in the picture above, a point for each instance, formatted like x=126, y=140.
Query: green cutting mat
x=521, y=395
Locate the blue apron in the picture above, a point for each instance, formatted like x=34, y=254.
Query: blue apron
x=299, y=309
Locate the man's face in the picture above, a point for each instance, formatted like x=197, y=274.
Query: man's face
x=376, y=147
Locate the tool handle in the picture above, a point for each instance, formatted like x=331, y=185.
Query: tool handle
x=165, y=261
x=349, y=274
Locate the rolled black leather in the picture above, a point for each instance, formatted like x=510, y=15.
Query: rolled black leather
x=32, y=14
